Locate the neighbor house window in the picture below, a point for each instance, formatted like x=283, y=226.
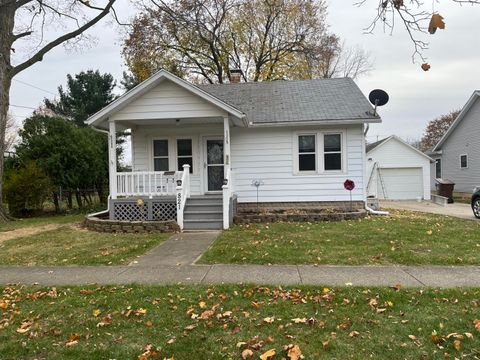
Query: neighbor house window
x=184, y=154
x=463, y=161
x=160, y=155
x=438, y=168
x=307, y=157
x=332, y=151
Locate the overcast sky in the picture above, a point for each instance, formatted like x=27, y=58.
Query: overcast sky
x=415, y=96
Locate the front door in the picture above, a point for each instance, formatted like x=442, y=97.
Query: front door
x=214, y=164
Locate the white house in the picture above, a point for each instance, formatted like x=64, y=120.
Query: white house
x=298, y=140
x=397, y=171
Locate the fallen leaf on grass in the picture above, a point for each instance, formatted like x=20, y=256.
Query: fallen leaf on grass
x=293, y=352
x=269, y=320
x=247, y=353
x=97, y=312
x=300, y=320
x=268, y=354
x=105, y=321
x=72, y=340
x=476, y=323
x=457, y=344
x=172, y=340
x=354, y=333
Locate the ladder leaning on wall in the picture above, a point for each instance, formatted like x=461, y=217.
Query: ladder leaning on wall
x=382, y=183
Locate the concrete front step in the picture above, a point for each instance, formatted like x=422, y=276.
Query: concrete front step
x=209, y=200
x=202, y=224
x=203, y=207
x=203, y=214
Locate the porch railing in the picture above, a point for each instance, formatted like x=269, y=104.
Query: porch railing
x=148, y=183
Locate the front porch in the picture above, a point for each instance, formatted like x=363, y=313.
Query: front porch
x=195, y=196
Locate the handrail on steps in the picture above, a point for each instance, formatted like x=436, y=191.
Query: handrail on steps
x=226, y=195
x=182, y=194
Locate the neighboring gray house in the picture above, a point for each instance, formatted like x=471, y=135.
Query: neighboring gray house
x=457, y=154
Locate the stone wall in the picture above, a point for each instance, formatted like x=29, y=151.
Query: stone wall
x=299, y=212
x=112, y=226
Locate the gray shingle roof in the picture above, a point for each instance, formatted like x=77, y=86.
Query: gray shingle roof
x=372, y=146
x=295, y=101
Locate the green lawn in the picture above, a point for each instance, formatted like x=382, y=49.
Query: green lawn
x=409, y=238
x=40, y=221
x=221, y=322
x=69, y=245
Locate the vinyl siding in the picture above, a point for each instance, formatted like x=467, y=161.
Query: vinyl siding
x=265, y=154
x=167, y=101
x=465, y=139
x=393, y=154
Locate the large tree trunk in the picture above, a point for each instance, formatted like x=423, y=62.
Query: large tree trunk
x=7, y=16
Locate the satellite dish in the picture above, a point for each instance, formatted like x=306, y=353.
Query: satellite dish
x=378, y=97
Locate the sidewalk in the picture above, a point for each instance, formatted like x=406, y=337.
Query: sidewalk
x=409, y=276
x=173, y=262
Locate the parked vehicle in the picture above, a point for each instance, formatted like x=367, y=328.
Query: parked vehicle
x=476, y=202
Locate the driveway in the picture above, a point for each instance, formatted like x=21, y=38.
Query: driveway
x=463, y=211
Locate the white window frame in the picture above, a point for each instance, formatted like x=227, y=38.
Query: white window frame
x=160, y=157
x=319, y=152
x=298, y=153
x=184, y=156
x=341, y=152
x=466, y=160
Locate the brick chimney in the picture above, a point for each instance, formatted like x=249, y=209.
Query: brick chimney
x=235, y=76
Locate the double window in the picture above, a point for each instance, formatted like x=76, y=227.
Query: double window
x=319, y=152
x=161, y=154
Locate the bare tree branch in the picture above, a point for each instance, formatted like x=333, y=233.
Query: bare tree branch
x=60, y=40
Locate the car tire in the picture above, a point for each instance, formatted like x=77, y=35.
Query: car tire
x=476, y=207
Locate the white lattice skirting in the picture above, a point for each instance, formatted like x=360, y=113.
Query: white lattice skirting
x=144, y=210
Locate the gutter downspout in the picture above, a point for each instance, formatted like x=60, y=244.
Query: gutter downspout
x=375, y=212
x=103, y=211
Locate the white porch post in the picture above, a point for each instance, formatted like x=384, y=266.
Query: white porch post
x=226, y=189
x=112, y=159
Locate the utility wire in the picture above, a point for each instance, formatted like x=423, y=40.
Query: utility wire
x=34, y=86
x=23, y=107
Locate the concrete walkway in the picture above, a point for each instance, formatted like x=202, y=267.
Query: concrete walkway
x=173, y=262
x=462, y=211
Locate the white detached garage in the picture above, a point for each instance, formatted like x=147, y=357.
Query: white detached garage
x=397, y=171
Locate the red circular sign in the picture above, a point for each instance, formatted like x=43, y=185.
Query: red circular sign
x=349, y=185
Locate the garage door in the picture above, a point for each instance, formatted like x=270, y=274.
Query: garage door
x=401, y=183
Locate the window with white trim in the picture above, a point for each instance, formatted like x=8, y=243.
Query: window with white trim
x=160, y=155
x=463, y=161
x=307, y=154
x=332, y=152
x=184, y=154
